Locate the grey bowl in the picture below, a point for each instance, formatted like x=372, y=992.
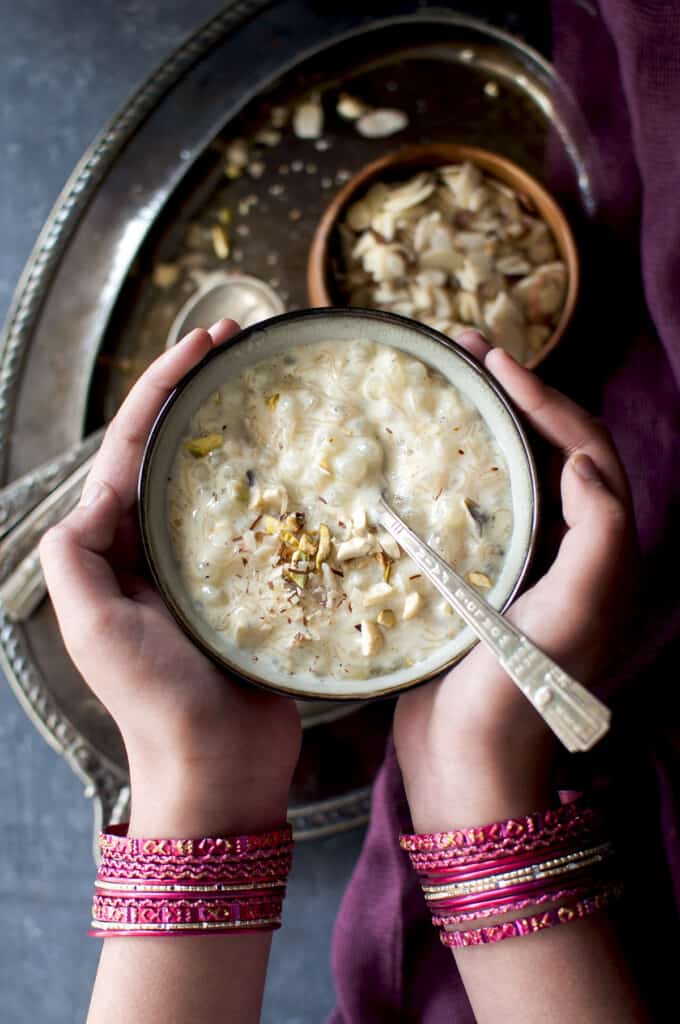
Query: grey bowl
x=306, y=327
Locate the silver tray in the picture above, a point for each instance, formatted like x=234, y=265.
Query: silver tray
x=86, y=317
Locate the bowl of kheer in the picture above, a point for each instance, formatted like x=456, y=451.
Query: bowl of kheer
x=455, y=237
x=259, y=487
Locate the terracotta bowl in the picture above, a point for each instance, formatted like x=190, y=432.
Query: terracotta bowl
x=398, y=166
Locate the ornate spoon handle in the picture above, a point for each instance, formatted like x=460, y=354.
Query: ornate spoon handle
x=577, y=718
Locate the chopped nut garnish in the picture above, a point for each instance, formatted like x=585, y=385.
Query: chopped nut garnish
x=389, y=545
x=354, y=548
x=298, y=578
x=165, y=274
x=299, y=639
x=294, y=522
x=307, y=544
x=359, y=519
x=200, y=446
x=220, y=241
x=386, y=618
x=377, y=594
x=479, y=579
x=412, y=605
x=371, y=638
x=271, y=525
x=273, y=400
x=324, y=467
x=324, y=548
x=289, y=538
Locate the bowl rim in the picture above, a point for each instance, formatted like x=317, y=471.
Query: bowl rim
x=144, y=488
x=439, y=154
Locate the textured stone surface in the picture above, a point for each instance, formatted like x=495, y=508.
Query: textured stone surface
x=65, y=67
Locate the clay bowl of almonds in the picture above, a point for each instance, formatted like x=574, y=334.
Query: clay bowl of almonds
x=454, y=237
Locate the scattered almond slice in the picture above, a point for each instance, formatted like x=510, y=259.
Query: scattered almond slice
x=372, y=639
x=412, y=605
x=479, y=579
x=386, y=618
x=324, y=548
x=307, y=545
x=377, y=594
x=271, y=525
x=350, y=108
x=389, y=545
x=308, y=119
x=356, y=547
x=165, y=274
x=378, y=124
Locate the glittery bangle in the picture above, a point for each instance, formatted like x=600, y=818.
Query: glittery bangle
x=185, y=886
x=511, y=834
x=504, y=905
x=577, y=860
x=534, y=923
x=168, y=914
x=115, y=840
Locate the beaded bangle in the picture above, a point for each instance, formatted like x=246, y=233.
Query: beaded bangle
x=533, y=872
x=188, y=886
x=546, y=825
x=506, y=867
x=565, y=914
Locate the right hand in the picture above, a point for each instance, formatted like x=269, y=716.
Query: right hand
x=471, y=742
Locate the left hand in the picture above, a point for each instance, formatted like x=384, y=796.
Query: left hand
x=470, y=745
x=206, y=752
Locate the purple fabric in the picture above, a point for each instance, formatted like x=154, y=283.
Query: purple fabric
x=621, y=60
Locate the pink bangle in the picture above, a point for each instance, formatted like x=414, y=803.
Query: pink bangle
x=511, y=835
x=185, y=886
x=535, y=923
x=506, y=906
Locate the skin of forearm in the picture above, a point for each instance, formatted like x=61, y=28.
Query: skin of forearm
x=196, y=979
x=572, y=973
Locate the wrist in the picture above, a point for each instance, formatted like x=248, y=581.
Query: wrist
x=478, y=786
x=187, y=804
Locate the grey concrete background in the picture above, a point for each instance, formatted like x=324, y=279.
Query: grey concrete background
x=65, y=67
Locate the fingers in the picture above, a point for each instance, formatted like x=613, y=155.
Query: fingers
x=80, y=580
x=475, y=343
x=559, y=420
x=592, y=562
x=118, y=460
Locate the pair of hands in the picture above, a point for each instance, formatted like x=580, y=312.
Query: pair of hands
x=207, y=754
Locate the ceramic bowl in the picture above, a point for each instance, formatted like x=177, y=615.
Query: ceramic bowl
x=272, y=337
x=324, y=252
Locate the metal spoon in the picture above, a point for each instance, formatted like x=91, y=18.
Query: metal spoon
x=577, y=718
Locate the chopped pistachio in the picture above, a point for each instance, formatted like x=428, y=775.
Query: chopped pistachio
x=220, y=241
x=217, y=398
x=289, y=538
x=232, y=172
x=200, y=446
x=479, y=579
x=271, y=525
x=412, y=605
x=325, y=467
x=386, y=618
x=324, y=548
x=224, y=216
x=272, y=401
x=307, y=544
x=241, y=490
x=298, y=578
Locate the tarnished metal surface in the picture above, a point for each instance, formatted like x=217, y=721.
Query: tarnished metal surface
x=87, y=317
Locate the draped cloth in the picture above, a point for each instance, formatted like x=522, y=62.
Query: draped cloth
x=620, y=59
